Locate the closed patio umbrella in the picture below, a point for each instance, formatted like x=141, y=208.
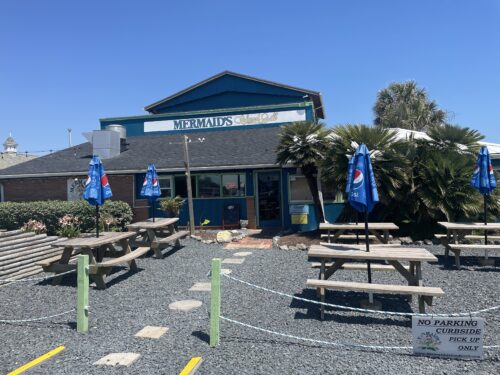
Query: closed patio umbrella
x=97, y=188
x=361, y=189
x=483, y=179
x=151, y=186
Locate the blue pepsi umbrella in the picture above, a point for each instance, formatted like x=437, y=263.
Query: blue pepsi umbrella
x=483, y=179
x=151, y=186
x=97, y=188
x=361, y=189
x=350, y=171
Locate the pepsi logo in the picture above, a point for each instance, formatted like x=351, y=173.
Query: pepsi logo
x=104, y=181
x=490, y=169
x=358, y=179
x=88, y=181
x=145, y=182
x=155, y=182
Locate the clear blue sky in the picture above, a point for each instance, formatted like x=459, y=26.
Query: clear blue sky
x=67, y=63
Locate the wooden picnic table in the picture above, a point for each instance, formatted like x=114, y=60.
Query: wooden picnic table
x=95, y=248
x=457, y=232
x=157, y=234
x=374, y=228
x=338, y=255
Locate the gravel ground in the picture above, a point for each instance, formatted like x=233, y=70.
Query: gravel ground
x=132, y=302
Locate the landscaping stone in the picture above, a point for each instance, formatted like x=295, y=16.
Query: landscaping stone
x=197, y=238
x=224, y=236
x=301, y=246
x=428, y=242
x=242, y=254
x=118, y=359
x=233, y=260
x=283, y=247
x=418, y=243
x=225, y=271
x=185, y=305
x=406, y=240
x=152, y=332
x=200, y=287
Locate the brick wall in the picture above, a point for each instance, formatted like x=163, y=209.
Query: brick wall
x=56, y=188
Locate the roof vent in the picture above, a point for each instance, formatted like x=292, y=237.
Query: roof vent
x=119, y=129
x=105, y=143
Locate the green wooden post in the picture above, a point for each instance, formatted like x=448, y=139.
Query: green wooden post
x=215, y=303
x=82, y=308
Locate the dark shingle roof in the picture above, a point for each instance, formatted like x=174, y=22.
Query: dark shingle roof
x=221, y=148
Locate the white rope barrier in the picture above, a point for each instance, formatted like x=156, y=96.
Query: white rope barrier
x=35, y=319
x=332, y=343
x=394, y=313
x=36, y=278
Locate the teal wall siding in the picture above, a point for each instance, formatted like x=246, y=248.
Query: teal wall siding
x=210, y=209
x=332, y=210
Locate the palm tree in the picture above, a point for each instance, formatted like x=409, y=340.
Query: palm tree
x=439, y=184
x=405, y=105
x=388, y=161
x=304, y=145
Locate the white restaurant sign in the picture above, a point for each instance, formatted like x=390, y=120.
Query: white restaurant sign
x=225, y=121
x=448, y=337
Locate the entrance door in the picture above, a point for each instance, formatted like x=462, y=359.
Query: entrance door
x=269, y=199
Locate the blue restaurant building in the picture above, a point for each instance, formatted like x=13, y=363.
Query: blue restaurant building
x=233, y=125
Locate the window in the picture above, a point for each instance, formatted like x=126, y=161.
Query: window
x=233, y=185
x=165, y=186
x=299, y=191
x=181, y=186
x=1, y=193
x=209, y=186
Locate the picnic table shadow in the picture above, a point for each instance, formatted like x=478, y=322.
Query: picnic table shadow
x=111, y=279
x=390, y=302
x=448, y=263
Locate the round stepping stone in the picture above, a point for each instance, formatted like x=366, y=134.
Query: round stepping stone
x=185, y=305
x=242, y=254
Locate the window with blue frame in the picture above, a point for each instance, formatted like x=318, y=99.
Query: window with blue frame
x=209, y=185
x=300, y=192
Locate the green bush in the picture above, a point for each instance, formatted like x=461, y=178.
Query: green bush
x=13, y=215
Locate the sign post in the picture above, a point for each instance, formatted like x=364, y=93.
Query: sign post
x=82, y=307
x=215, y=302
x=448, y=337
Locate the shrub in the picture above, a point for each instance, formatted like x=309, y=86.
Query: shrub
x=13, y=215
x=34, y=226
x=70, y=226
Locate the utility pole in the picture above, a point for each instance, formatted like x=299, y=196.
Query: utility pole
x=189, y=187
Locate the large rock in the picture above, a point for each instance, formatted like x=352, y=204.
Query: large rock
x=224, y=236
x=406, y=241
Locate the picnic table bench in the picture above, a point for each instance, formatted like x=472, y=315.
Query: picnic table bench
x=157, y=234
x=456, y=232
x=96, y=249
x=339, y=254
x=379, y=230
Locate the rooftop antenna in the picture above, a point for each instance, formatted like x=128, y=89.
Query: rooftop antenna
x=69, y=137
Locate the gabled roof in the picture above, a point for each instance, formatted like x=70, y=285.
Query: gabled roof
x=313, y=96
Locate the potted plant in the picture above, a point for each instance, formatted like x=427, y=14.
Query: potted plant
x=172, y=206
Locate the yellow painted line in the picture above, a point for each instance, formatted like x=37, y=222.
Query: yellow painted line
x=37, y=361
x=191, y=367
